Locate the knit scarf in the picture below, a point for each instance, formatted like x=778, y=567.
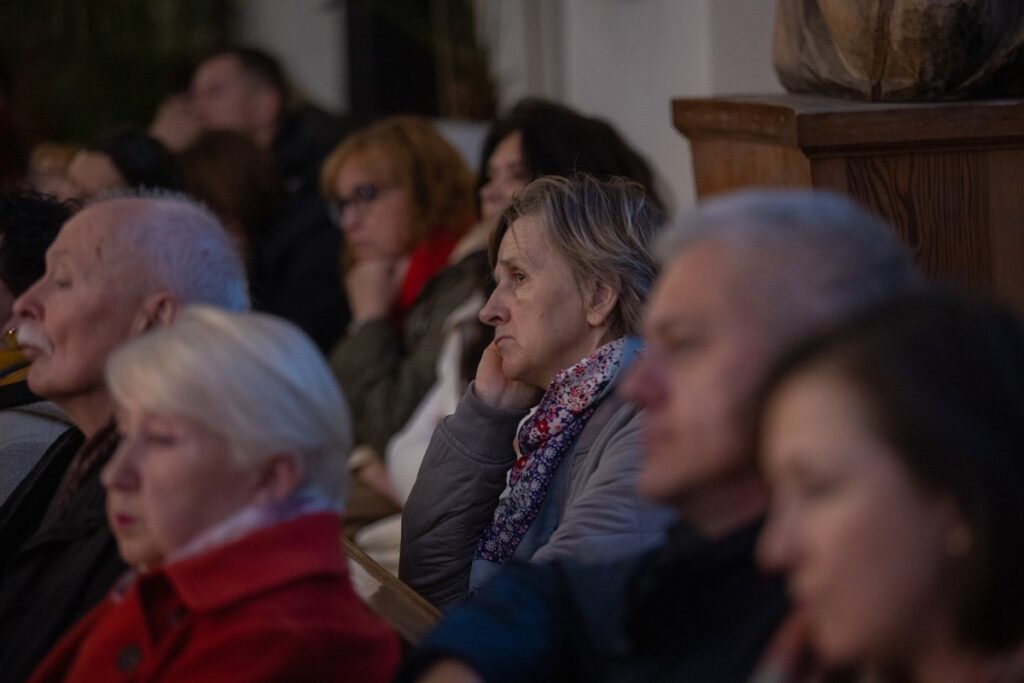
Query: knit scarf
x=543, y=439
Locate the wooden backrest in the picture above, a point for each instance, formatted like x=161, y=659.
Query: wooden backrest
x=393, y=601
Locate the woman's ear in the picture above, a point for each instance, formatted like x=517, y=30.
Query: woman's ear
x=600, y=299
x=280, y=477
x=157, y=310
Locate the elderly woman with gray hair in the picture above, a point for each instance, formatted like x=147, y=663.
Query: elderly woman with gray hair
x=573, y=267
x=223, y=497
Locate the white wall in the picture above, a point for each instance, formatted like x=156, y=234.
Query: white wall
x=307, y=36
x=623, y=60
x=626, y=60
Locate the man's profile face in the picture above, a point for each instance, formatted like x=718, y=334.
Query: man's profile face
x=705, y=356
x=222, y=95
x=81, y=309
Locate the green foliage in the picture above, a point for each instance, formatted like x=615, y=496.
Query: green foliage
x=79, y=66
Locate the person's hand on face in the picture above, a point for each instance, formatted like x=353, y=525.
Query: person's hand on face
x=498, y=391
x=372, y=286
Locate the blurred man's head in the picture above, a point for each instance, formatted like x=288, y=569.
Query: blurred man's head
x=744, y=277
x=240, y=89
x=29, y=222
x=117, y=268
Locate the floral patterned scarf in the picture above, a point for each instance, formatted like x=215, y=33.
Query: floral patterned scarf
x=543, y=439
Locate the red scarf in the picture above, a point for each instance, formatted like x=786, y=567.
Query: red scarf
x=425, y=261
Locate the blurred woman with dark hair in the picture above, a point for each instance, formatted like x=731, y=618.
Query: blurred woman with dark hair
x=895, y=451
x=125, y=158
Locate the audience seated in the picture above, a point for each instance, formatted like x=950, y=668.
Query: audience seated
x=745, y=276
x=403, y=198
x=534, y=139
x=121, y=159
x=895, y=451
x=29, y=222
x=295, y=272
x=119, y=267
x=573, y=267
x=224, y=496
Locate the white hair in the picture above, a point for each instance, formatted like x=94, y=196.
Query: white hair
x=183, y=248
x=816, y=256
x=255, y=379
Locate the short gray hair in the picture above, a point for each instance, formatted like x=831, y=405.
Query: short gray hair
x=184, y=248
x=604, y=230
x=254, y=379
x=822, y=256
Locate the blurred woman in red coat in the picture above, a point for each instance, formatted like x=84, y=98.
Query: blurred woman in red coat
x=223, y=496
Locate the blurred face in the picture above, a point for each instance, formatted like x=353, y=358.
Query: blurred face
x=506, y=173
x=91, y=173
x=373, y=211
x=169, y=480
x=82, y=308
x=864, y=548
x=537, y=310
x=705, y=356
x=223, y=95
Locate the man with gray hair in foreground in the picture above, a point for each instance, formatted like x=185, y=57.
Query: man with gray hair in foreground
x=744, y=277
x=121, y=266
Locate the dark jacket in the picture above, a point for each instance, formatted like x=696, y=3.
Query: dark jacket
x=294, y=265
x=53, y=567
x=386, y=373
x=694, y=610
x=274, y=605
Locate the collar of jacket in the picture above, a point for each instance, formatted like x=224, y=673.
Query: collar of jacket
x=257, y=562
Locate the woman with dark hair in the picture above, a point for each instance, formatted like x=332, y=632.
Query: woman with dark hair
x=895, y=451
x=118, y=159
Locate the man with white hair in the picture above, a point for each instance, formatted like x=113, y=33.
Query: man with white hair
x=121, y=266
x=744, y=277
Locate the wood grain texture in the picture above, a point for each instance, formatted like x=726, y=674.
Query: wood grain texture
x=820, y=125
x=949, y=177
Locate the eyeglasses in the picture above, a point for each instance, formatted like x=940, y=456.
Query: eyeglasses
x=362, y=195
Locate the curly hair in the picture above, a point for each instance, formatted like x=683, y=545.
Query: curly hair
x=439, y=185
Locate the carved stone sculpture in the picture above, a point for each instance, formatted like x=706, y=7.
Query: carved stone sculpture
x=901, y=50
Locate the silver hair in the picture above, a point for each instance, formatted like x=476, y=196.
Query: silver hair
x=254, y=379
x=816, y=256
x=604, y=229
x=183, y=247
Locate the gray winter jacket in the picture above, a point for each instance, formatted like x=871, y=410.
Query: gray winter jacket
x=591, y=512
x=26, y=432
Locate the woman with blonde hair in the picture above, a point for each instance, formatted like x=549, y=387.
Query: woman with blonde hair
x=224, y=498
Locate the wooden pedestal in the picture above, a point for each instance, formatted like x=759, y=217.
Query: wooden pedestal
x=949, y=176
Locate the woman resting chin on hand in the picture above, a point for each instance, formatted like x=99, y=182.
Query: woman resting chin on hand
x=573, y=266
x=223, y=496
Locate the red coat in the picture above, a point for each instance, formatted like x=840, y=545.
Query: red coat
x=276, y=605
